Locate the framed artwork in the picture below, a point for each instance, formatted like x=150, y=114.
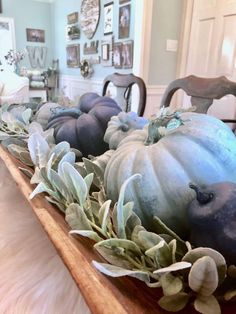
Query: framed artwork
x=127, y=54
x=108, y=18
x=124, y=21
x=73, y=32
x=106, y=50
x=123, y=1
x=73, y=56
x=117, y=55
x=0, y=6
x=35, y=35
x=72, y=18
x=89, y=17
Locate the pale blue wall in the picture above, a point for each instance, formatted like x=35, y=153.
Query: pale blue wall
x=29, y=14
x=167, y=15
x=60, y=9
x=166, y=22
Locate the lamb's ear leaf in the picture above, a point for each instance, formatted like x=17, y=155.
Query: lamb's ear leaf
x=76, y=218
x=39, y=150
x=171, y=284
x=203, y=276
x=92, y=235
x=174, y=303
x=193, y=255
x=174, y=267
x=207, y=304
x=115, y=271
x=75, y=182
x=230, y=295
x=124, y=211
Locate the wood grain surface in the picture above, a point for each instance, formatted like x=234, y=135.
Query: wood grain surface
x=104, y=295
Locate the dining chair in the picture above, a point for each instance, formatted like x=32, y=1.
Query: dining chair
x=125, y=83
x=201, y=90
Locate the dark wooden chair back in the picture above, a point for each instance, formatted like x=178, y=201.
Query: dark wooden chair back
x=202, y=91
x=126, y=81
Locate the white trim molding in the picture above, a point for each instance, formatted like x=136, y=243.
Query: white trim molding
x=74, y=87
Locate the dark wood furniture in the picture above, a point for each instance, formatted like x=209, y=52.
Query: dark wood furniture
x=126, y=81
x=202, y=91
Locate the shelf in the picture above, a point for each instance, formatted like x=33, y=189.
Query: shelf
x=103, y=295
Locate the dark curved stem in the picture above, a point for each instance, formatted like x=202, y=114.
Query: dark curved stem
x=202, y=197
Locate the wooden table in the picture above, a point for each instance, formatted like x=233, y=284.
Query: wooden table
x=104, y=295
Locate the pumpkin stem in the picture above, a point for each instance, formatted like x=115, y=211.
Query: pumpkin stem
x=156, y=127
x=60, y=112
x=202, y=197
x=123, y=127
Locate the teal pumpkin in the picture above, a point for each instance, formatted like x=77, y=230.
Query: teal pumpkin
x=121, y=126
x=201, y=150
x=44, y=113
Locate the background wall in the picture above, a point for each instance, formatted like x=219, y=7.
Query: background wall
x=60, y=10
x=30, y=14
x=166, y=23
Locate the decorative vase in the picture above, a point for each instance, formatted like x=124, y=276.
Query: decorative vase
x=17, y=69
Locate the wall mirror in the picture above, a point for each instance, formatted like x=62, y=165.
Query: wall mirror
x=89, y=17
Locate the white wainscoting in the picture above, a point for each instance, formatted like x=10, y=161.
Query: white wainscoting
x=74, y=87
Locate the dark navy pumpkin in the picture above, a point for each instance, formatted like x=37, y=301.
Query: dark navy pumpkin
x=84, y=126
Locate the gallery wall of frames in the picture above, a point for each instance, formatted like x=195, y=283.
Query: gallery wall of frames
x=114, y=48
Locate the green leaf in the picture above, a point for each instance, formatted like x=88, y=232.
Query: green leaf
x=26, y=172
x=26, y=115
x=174, y=267
x=92, y=235
x=127, y=245
x=171, y=284
x=15, y=150
x=25, y=158
x=115, y=271
x=219, y=259
x=160, y=227
x=76, y=218
x=230, y=295
x=58, y=152
x=60, y=186
x=124, y=211
x=39, y=150
x=207, y=305
x=60, y=205
x=4, y=136
x=112, y=257
x=68, y=157
x=131, y=223
x=75, y=182
x=98, y=173
x=148, y=239
x=203, y=276
x=89, y=180
x=104, y=216
x=232, y=271
x=174, y=303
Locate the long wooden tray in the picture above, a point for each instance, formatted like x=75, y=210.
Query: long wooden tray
x=103, y=295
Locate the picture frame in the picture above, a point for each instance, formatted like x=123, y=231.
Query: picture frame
x=73, y=32
x=72, y=18
x=35, y=35
x=0, y=6
x=124, y=21
x=123, y=1
x=117, y=55
x=127, y=54
x=107, y=50
x=73, y=56
x=89, y=17
x=108, y=18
